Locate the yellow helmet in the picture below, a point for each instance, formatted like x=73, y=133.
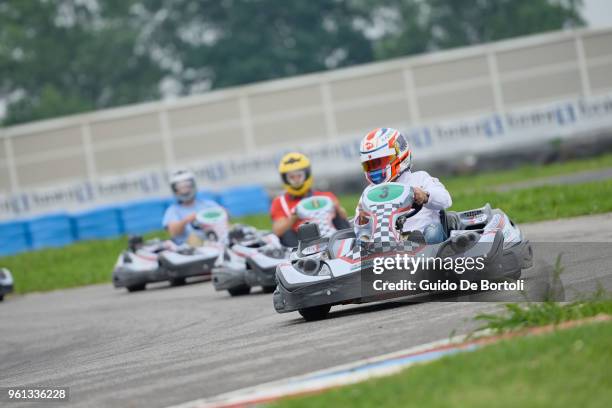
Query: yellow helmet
x=294, y=164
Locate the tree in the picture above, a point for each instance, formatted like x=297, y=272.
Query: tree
x=59, y=57
x=440, y=24
x=232, y=42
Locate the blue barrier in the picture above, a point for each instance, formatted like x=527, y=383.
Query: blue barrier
x=138, y=217
x=144, y=216
x=51, y=230
x=14, y=237
x=241, y=201
x=207, y=195
x=103, y=222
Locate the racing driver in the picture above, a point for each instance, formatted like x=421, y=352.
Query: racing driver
x=295, y=172
x=180, y=215
x=386, y=156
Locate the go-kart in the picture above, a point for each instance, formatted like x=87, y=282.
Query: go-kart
x=156, y=260
x=249, y=259
x=328, y=271
x=251, y=256
x=6, y=283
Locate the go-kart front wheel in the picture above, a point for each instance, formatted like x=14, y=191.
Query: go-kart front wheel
x=239, y=290
x=311, y=314
x=136, y=288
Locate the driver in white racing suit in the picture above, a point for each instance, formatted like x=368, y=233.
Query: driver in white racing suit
x=386, y=156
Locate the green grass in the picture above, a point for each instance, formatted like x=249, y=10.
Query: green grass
x=530, y=204
x=526, y=172
x=91, y=262
x=562, y=369
x=542, y=203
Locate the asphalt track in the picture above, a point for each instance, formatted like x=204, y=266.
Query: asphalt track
x=168, y=345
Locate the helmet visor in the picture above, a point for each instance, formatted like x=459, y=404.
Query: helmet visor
x=380, y=163
x=184, y=190
x=296, y=178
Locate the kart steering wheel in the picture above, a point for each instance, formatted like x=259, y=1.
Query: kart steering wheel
x=413, y=211
x=399, y=223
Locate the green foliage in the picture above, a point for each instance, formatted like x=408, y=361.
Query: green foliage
x=421, y=26
x=59, y=57
x=519, y=316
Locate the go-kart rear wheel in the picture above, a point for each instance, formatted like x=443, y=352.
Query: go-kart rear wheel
x=239, y=290
x=268, y=289
x=136, y=288
x=1, y=298
x=311, y=314
x=177, y=281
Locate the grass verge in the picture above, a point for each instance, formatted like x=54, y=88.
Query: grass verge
x=531, y=204
x=564, y=368
x=568, y=367
x=518, y=316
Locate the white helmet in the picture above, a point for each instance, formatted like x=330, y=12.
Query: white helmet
x=183, y=185
x=385, y=154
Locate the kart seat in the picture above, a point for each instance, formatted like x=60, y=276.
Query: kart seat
x=450, y=221
x=308, y=234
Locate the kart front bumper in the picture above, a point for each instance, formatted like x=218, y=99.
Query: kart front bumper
x=351, y=289
x=124, y=277
x=346, y=289
x=224, y=278
x=5, y=289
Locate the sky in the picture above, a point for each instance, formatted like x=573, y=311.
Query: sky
x=598, y=13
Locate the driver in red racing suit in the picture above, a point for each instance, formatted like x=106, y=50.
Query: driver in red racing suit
x=294, y=169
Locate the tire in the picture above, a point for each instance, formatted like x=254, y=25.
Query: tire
x=136, y=288
x=239, y=290
x=1, y=298
x=177, y=281
x=268, y=289
x=311, y=314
